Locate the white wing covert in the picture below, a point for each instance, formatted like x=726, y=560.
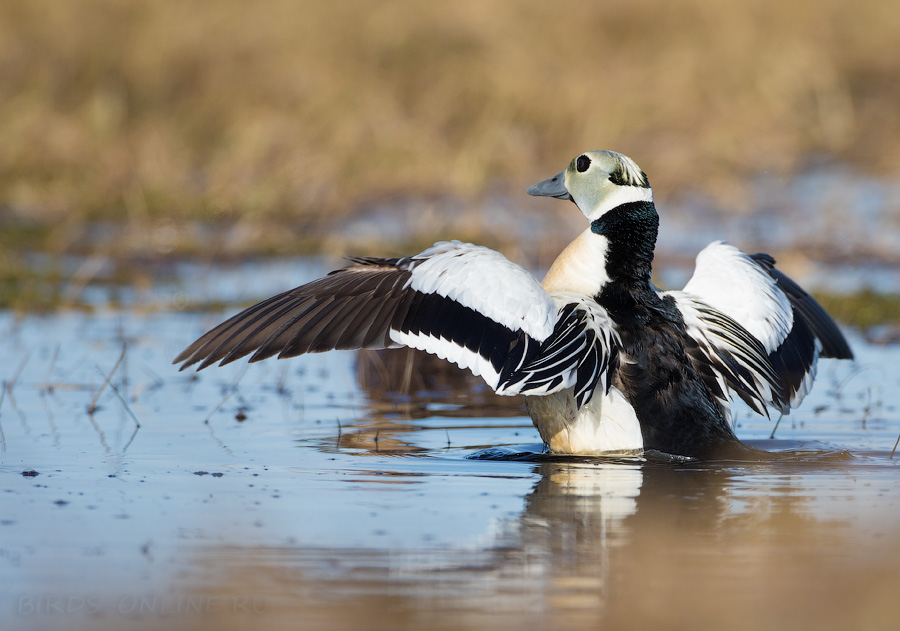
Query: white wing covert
x=756, y=328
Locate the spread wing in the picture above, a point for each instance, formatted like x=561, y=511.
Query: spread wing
x=756, y=330
x=461, y=302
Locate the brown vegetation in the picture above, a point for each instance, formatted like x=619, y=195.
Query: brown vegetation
x=287, y=111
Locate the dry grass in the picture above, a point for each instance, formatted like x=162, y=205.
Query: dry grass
x=291, y=112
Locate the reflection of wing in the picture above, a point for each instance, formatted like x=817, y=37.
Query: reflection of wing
x=461, y=302
x=757, y=332
x=427, y=385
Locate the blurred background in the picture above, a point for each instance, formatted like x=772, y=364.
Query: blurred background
x=163, y=161
x=144, y=131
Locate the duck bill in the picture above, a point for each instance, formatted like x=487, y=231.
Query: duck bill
x=553, y=187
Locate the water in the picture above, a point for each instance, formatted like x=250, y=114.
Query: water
x=340, y=491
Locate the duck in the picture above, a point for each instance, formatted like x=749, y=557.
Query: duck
x=607, y=362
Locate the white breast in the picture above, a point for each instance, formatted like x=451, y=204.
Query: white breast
x=581, y=267
x=606, y=424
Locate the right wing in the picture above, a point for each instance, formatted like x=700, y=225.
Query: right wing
x=771, y=330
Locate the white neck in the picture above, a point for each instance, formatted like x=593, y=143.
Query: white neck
x=616, y=196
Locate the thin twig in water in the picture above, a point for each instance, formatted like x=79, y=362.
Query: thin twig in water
x=868, y=407
x=218, y=440
x=15, y=378
x=124, y=403
x=231, y=392
x=2, y=435
x=93, y=406
x=99, y=433
x=131, y=440
x=282, y=389
x=48, y=386
x=22, y=418
x=406, y=385
x=778, y=422
x=50, y=422
x=221, y=403
x=374, y=360
x=156, y=380
x=895, y=448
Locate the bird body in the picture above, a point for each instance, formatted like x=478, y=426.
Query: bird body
x=606, y=361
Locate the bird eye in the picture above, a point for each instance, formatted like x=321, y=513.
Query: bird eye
x=582, y=164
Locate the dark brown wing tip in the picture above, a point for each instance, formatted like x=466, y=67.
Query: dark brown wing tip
x=348, y=309
x=823, y=326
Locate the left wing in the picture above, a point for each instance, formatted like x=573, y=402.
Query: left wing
x=761, y=332
x=461, y=302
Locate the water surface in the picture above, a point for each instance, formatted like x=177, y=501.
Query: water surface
x=339, y=491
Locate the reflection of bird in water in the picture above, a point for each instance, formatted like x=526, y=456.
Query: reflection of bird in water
x=607, y=361
x=420, y=385
x=602, y=537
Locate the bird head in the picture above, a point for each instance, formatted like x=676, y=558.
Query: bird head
x=597, y=181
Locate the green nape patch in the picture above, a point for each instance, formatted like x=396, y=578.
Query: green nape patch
x=863, y=309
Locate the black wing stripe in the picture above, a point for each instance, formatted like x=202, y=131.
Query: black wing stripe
x=740, y=378
x=429, y=314
x=794, y=359
x=496, y=343
x=573, y=347
x=441, y=317
x=740, y=365
x=588, y=371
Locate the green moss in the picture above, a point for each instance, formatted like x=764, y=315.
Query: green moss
x=25, y=289
x=863, y=309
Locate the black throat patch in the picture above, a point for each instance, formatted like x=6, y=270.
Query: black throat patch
x=631, y=230
x=677, y=411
